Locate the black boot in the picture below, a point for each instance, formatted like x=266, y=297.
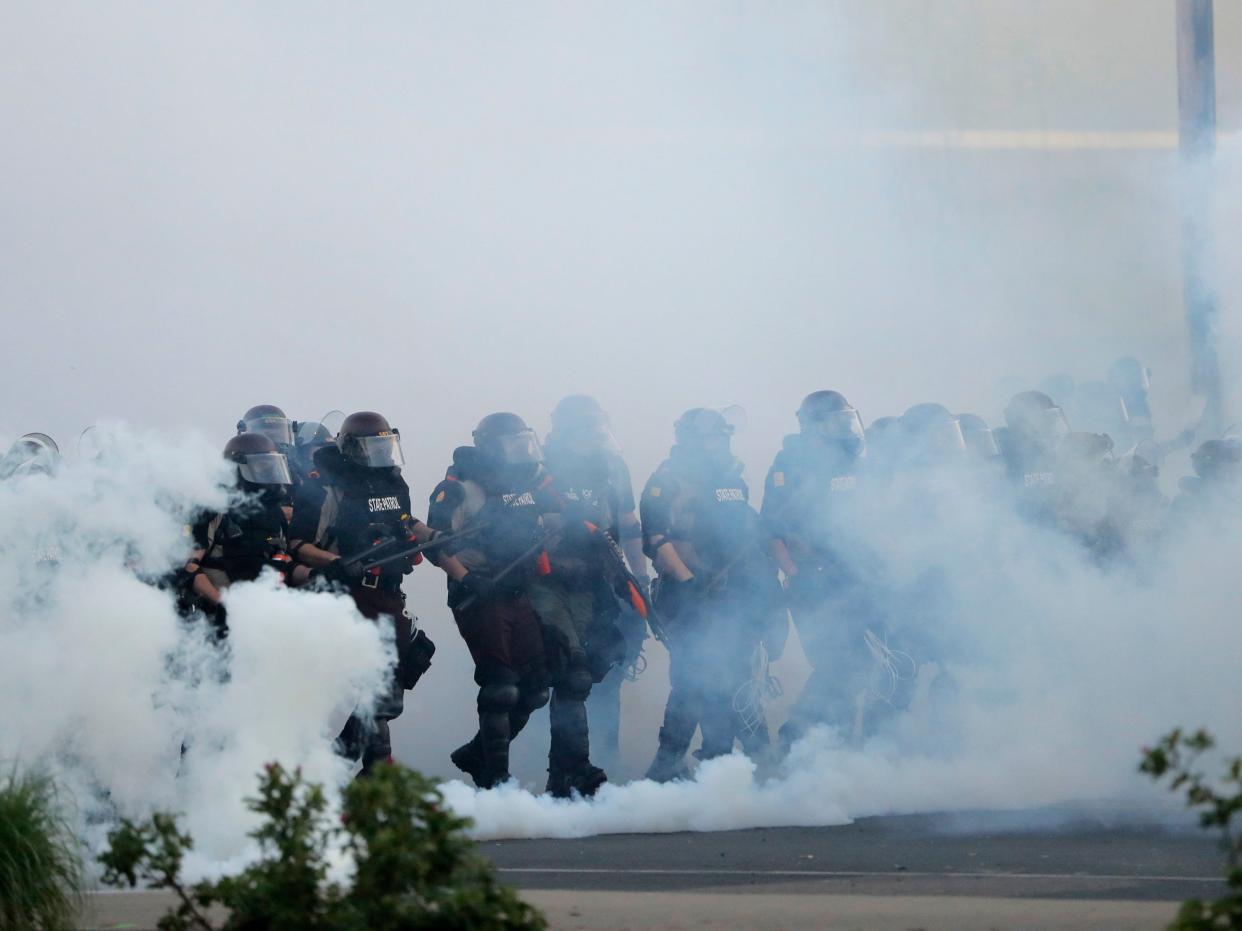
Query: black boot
x=681, y=719
x=583, y=779
x=485, y=759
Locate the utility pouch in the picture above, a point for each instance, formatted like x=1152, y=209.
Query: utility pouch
x=605, y=648
x=415, y=659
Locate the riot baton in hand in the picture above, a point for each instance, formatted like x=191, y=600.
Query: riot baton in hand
x=439, y=539
x=540, y=544
x=637, y=598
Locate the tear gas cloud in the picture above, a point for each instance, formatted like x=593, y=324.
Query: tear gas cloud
x=102, y=683
x=437, y=212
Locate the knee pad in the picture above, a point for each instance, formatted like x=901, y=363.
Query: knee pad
x=576, y=680
x=499, y=696
x=379, y=744
x=534, y=699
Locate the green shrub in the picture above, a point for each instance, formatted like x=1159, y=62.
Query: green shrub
x=40, y=859
x=414, y=866
x=1175, y=756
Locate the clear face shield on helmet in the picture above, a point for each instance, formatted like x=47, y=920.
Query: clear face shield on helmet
x=842, y=427
x=517, y=448
x=265, y=469
x=591, y=437
x=375, y=452
x=1048, y=426
x=946, y=438
x=277, y=429
x=981, y=442
x=32, y=454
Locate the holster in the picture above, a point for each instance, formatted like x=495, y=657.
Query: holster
x=415, y=659
x=605, y=647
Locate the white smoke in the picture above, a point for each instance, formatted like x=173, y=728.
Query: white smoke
x=1062, y=669
x=103, y=684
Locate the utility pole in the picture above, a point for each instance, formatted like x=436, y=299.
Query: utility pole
x=1196, y=109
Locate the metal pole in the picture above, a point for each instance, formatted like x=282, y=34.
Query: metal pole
x=1196, y=107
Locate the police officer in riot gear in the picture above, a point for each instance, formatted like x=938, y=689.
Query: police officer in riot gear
x=238, y=544
x=933, y=436
x=717, y=592
x=575, y=601
x=366, y=504
x=309, y=490
x=488, y=501
x=1034, y=429
x=809, y=503
x=581, y=450
x=32, y=454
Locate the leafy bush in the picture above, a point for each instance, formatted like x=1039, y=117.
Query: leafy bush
x=414, y=866
x=1176, y=755
x=40, y=861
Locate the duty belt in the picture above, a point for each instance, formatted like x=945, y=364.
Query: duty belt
x=381, y=583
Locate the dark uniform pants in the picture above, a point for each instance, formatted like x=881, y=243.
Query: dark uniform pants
x=832, y=621
x=505, y=640
x=369, y=739
x=566, y=612
x=713, y=645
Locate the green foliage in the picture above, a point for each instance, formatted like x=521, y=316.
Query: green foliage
x=40, y=861
x=414, y=866
x=1175, y=756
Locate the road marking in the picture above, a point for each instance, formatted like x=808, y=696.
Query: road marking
x=848, y=874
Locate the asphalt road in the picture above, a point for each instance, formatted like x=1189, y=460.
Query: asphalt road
x=975, y=871
x=978, y=854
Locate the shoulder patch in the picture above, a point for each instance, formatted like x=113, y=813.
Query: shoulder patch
x=778, y=479
x=654, y=491
x=440, y=496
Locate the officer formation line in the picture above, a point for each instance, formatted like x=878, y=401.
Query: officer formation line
x=545, y=552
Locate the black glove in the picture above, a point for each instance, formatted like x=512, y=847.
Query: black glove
x=676, y=597
x=342, y=573
x=472, y=587
x=578, y=535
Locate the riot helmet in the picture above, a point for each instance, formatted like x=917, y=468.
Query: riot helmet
x=933, y=431
x=883, y=440
x=1102, y=408
x=827, y=417
x=366, y=439
x=508, y=443
x=1218, y=459
x=269, y=420
x=309, y=437
x=978, y=436
x=582, y=427
x=258, y=460
x=1034, y=418
x=1132, y=380
x=32, y=454
x=702, y=428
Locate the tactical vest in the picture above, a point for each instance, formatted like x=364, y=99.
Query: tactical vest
x=514, y=525
x=582, y=493
x=241, y=542
x=816, y=492
x=371, y=506
x=715, y=517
